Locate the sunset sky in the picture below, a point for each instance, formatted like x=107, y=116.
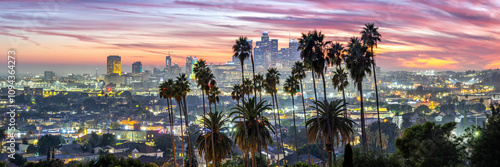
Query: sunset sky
x=77, y=36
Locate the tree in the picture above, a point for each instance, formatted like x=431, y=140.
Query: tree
x=114, y=125
x=242, y=50
x=299, y=72
x=358, y=63
x=312, y=55
x=219, y=144
x=291, y=87
x=259, y=81
x=388, y=129
x=272, y=81
x=483, y=141
x=31, y=149
x=49, y=163
x=213, y=97
x=370, y=37
x=47, y=142
x=18, y=160
x=182, y=87
x=251, y=114
x=430, y=144
x=107, y=139
x=166, y=92
x=422, y=109
x=89, y=104
x=339, y=125
x=164, y=143
x=3, y=164
x=347, y=156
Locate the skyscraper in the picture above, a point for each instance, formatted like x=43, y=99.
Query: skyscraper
x=49, y=75
x=114, y=65
x=137, y=67
x=294, y=54
x=189, y=64
x=168, y=62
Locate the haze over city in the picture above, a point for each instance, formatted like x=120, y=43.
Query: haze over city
x=438, y=35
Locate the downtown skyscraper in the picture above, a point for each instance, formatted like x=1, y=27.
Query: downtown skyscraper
x=114, y=65
x=136, y=67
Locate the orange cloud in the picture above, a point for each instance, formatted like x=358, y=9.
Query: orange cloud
x=429, y=62
x=493, y=65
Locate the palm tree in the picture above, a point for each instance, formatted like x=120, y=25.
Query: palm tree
x=203, y=77
x=251, y=114
x=339, y=80
x=242, y=50
x=213, y=97
x=220, y=144
x=359, y=65
x=166, y=91
x=247, y=87
x=291, y=87
x=237, y=94
x=272, y=81
x=312, y=53
x=370, y=37
x=183, y=88
x=299, y=72
x=259, y=80
x=176, y=94
x=330, y=115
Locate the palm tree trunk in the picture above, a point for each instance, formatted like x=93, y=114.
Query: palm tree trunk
x=171, y=120
x=254, y=160
x=182, y=133
x=362, y=112
x=295, y=127
x=305, y=122
x=214, y=161
x=329, y=124
x=345, y=105
x=204, y=126
x=255, y=95
x=186, y=120
x=279, y=124
x=317, y=112
x=277, y=143
x=267, y=154
x=376, y=96
x=245, y=159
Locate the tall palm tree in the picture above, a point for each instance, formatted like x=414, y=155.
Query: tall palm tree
x=272, y=82
x=237, y=93
x=242, y=50
x=183, y=87
x=359, y=65
x=330, y=112
x=247, y=87
x=220, y=143
x=339, y=80
x=259, y=79
x=370, y=37
x=213, y=97
x=166, y=92
x=312, y=53
x=178, y=98
x=291, y=87
x=2, y=137
x=203, y=78
x=299, y=72
x=249, y=113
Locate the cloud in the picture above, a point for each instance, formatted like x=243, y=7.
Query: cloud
x=429, y=62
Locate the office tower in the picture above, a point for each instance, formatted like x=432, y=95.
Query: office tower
x=189, y=63
x=294, y=54
x=274, y=50
x=191, y=74
x=137, y=67
x=261, y=51
x=114, y=65
x=49, y=75
x=168, y=62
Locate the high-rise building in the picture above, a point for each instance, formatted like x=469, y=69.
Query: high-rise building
x=189, y=64
x=49, y=75
x=274, y=51
x=294, y=54
x=168, y=62
x=114, y=65
x=191, y=74
x=137, y=67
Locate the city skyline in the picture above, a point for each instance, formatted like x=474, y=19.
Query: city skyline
x=418, y=35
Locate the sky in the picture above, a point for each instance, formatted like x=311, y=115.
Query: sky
x=77, y=36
